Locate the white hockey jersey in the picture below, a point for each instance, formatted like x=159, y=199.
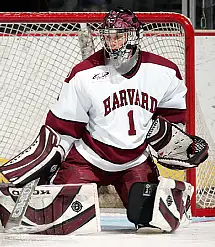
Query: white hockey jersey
x=108, y=118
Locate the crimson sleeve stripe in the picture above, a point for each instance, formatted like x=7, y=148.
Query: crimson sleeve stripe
x=110, y=153
x=148, y=57
x=65, y=127
x=171, y=114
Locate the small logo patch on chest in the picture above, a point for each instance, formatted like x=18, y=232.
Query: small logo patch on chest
x=101, y=76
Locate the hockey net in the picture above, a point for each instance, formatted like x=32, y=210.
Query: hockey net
x=37, y=50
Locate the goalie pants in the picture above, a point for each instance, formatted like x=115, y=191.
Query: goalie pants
x=78, y=170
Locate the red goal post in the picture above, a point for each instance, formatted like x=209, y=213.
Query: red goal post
x=37, y=50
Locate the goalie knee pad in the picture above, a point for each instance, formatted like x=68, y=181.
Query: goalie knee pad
x=165, y=206
x=41, y=159
x=141, y=202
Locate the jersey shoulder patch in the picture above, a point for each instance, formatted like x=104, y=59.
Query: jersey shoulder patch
x=96, y=59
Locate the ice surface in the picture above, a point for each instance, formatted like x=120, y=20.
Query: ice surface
x=117, y=231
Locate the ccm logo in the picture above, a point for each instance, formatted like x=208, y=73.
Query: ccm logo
x=100, y=76
x=36, y=192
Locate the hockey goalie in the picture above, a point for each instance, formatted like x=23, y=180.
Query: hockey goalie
x=114, y=107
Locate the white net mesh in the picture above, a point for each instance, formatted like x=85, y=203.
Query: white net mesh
x=35, y=58
x=205, y=181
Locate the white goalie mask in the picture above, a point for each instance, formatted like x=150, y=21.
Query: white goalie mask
x=120, y=38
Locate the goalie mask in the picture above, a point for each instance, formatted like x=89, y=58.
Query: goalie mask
x=120, y=38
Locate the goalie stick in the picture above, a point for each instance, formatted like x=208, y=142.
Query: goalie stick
x=14, y=222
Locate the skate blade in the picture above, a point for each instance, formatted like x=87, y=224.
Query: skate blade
x=149, y=230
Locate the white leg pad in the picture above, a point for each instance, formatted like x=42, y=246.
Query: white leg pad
x=56, y=209
x=170, y=206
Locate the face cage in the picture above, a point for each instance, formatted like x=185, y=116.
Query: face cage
x=119, y=42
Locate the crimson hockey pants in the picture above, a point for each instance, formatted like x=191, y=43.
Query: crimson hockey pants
x=77, y=170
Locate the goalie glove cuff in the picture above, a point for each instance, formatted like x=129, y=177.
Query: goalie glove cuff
x=159, y=134
x=175, y=148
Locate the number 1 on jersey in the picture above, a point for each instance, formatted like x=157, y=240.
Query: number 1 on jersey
x=131, y=130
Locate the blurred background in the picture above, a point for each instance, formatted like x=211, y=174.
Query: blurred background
x=201, y=12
